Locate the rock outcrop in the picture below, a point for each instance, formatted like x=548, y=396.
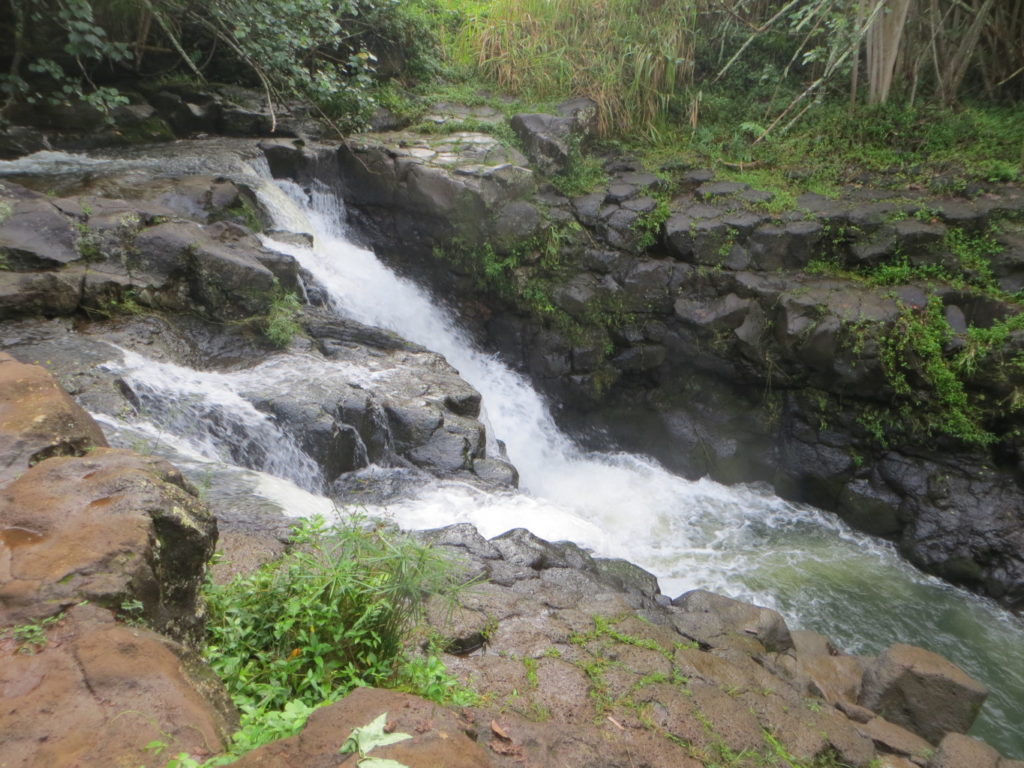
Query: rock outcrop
x=753, y=342
x=183, y=249
x=583, y=662
x=39, y=420
x=921, y=691
x=88, y=533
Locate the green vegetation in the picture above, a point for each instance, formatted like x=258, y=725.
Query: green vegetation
x=629, y=57
x=325, y=52
x=648, y=225
x=280, y=325
x=31, y=636
x=788, y=99
x=931, y=376
x=333, y=614
x=915, y=344
x=582, y=174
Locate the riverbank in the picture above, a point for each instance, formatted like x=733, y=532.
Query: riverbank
x=571, y=657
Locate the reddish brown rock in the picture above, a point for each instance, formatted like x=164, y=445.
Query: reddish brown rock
x=922, y=692
x=959, y=751
x=38, y=419
x=98, y=692
x=895, y=740
x=106, y=527
x=439, y=735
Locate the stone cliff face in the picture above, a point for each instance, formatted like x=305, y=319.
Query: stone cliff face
x=857, y=353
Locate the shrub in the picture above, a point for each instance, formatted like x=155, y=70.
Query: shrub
x=280, y=325
x=330, y=616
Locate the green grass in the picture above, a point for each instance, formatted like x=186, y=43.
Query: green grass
x=280, y=325
x=629, y=57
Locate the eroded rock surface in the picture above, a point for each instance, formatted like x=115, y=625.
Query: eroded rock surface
x=88, y=532
x=97, y=692
x=582, y=663
x=38, y=419
x=922, y=691
x=108, y=527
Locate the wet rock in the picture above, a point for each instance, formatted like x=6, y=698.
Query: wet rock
x=893, y=739
x=496, y=472
x=714, y=619
x=419, y=191
x=922, y=691
x=917, y=237
x=644, y=357
x=583, y=111
x=38, y=420
x=34, y=234
x=713, y=189
x=546, y=139
x=959, y=751
x=107, y=527
x=520, y=547
x=97, y=692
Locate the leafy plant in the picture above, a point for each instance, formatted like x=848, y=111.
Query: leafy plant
x=582, y=175
x=280, y=325
x=370, y=736
x=31, y=636
x=428, y=677
x=330, y=616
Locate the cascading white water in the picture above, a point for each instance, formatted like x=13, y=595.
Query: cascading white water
x=739, y=540
x=204, y=409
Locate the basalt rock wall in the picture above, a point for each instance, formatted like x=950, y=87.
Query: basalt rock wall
x=859, y=353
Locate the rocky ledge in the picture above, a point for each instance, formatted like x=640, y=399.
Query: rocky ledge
x=578, y=660
x=168, y=266
x=857, y=352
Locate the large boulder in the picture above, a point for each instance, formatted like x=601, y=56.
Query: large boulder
x=439, y=736
x=922, y=692
x=959, y=751
x=108, y=527
x=38, y=419
x=34, y=234
x=718, y=621
x=547, y=140
x=416, y=192
x=89, y=691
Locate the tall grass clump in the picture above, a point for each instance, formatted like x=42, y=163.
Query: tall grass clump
x=333, y=614
x=631, y=57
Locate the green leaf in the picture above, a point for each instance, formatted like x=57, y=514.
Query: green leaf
x=380, y=762
x=370, y=736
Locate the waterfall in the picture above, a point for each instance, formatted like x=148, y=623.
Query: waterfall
x=207, y=416
x=739, y=540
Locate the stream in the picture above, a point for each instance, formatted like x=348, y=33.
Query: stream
x=740, y=540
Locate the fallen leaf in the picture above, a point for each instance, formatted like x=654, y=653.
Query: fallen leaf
x=503, y=748
x=500, y=732
x=371, y=735
x=380, y=762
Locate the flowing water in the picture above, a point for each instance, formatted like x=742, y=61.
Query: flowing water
x=739, y=540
